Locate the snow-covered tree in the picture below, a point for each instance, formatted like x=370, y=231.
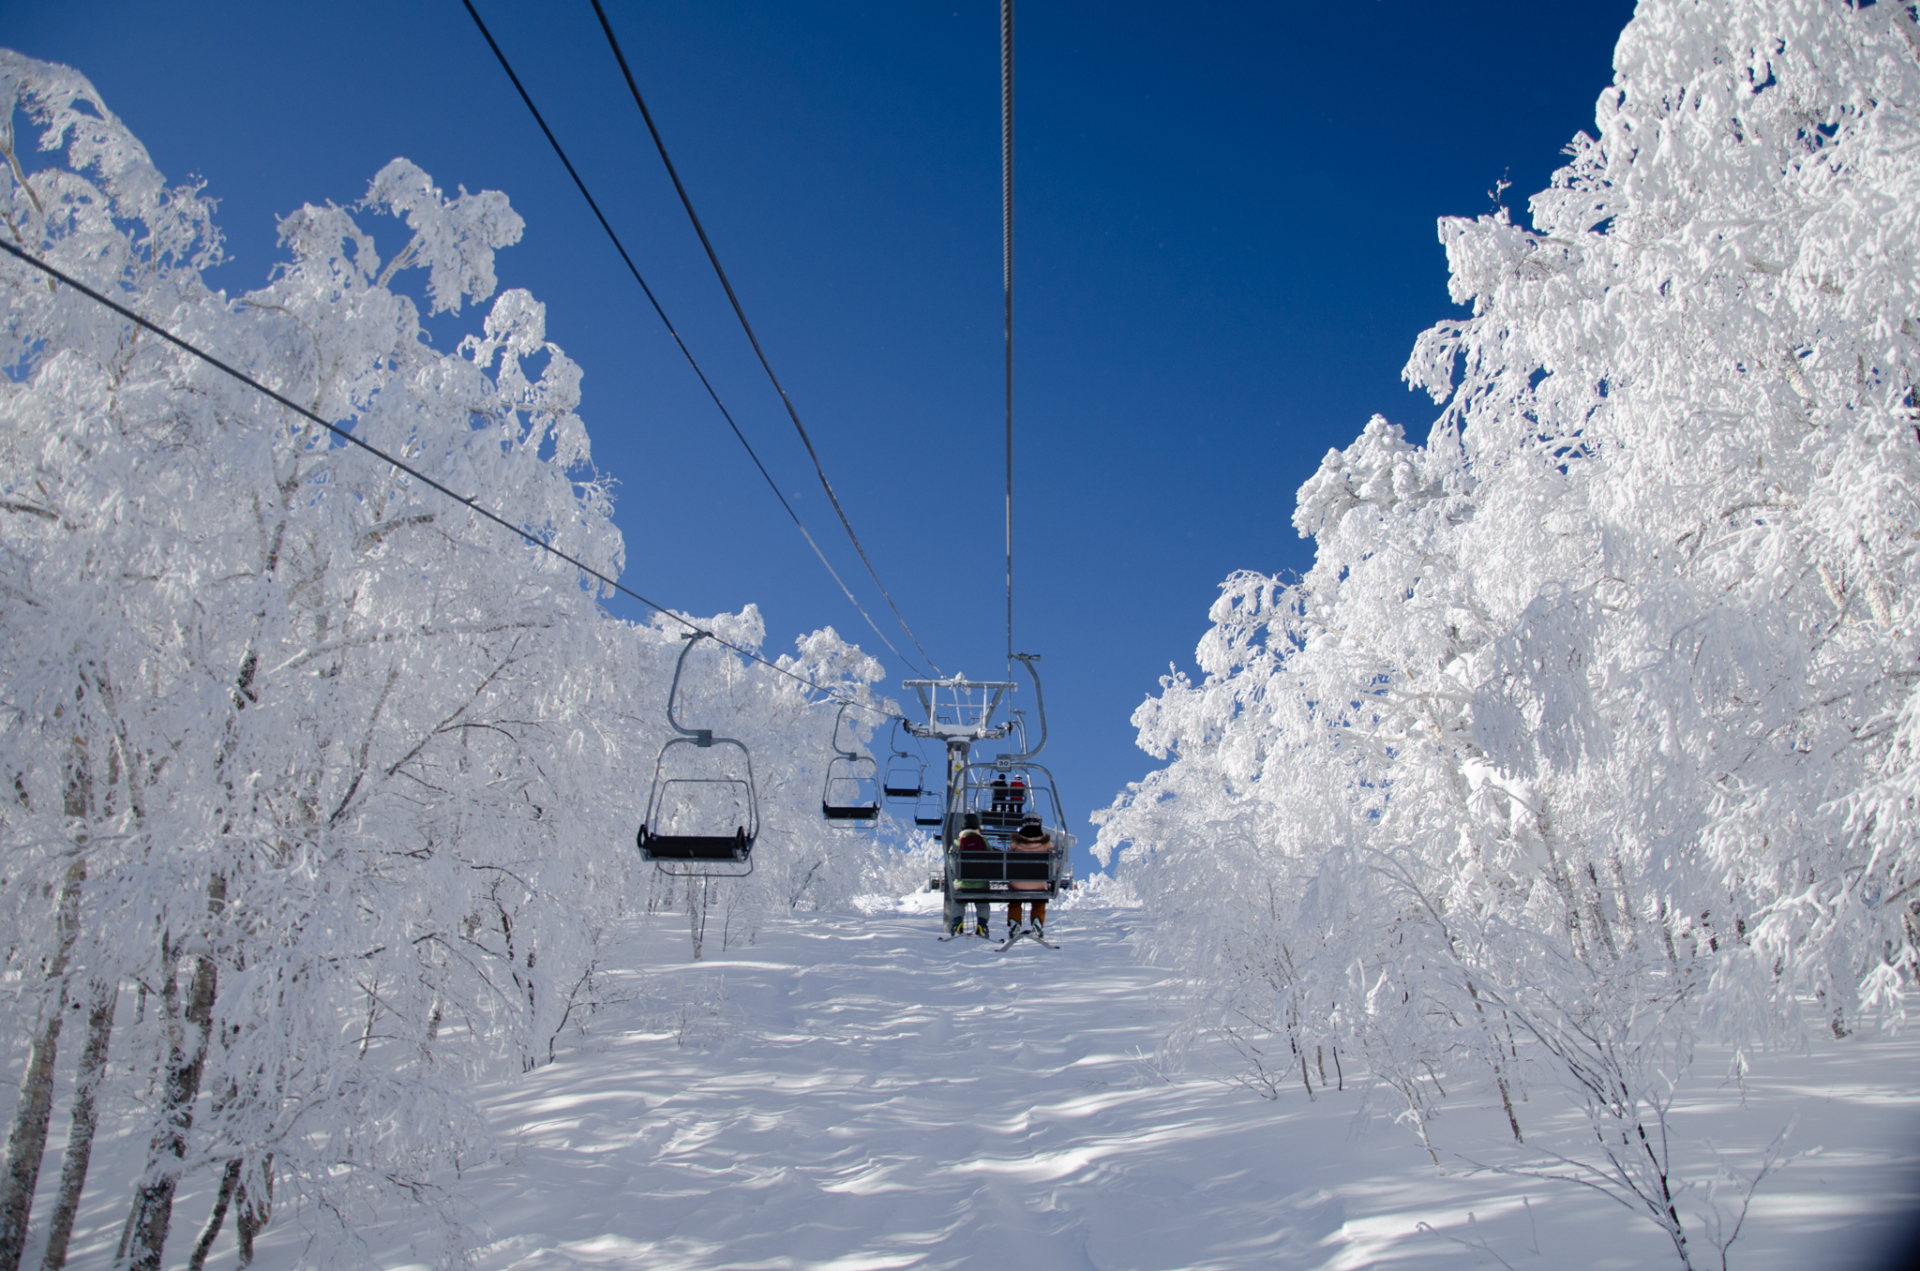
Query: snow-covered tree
x=321, y=787
x=1592, y=729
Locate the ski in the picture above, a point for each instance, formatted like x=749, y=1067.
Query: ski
x=1023, y=934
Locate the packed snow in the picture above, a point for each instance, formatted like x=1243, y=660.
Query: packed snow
x=848, y=1092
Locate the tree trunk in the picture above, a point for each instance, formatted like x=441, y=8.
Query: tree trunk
x=256, y=1207
x=152, y=1211
x=86, y=1086
x=699, y=898
x=1499, y=1069
x=229, y=1180
x=27, y=1138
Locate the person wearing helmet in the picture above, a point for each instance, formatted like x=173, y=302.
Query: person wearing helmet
x=971, y=840
x=1032, y=837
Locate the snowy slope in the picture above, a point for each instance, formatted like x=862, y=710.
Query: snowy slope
x=849, y=1093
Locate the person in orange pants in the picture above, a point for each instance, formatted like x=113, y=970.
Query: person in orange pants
x=1032, y=837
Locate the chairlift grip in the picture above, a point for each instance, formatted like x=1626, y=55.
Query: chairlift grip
x=1027, y=660
x=702, y=737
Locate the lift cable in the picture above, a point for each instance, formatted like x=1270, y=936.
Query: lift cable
x=741, y=313
x=1006, y=273
x=424, y=479
x=668, y=324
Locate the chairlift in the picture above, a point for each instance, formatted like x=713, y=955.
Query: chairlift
x=1007, y=876
x=703, y=812
x=930, y=809
x=1004, y=791
x=906, y=774
x=851, y=799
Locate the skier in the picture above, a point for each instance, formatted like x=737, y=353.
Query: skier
x=971, y=840
x=1031, y=838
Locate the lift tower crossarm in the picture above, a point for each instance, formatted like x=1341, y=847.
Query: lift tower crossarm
x=972, y=704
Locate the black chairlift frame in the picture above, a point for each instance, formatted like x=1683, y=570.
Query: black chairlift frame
x=845, y=767
x=698, y=855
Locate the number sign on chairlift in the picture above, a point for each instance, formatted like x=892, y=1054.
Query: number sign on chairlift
x=703, y=812
x=851, y=799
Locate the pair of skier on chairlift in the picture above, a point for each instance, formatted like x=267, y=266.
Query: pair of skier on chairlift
x=1031, y=837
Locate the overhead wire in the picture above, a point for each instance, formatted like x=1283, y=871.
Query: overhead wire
x=1006, y=273
x=667, y=322
x=471, y=503
x=713, y=257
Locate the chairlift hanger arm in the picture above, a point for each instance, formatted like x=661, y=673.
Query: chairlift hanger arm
x=702, y=737
x=1027, y=660
x=835, y=741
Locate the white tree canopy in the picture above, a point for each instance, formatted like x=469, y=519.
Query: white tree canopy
x=337, y=777
x=1596, y=714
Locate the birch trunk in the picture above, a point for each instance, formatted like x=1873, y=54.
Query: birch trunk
x=27, y=1138
x=211, y=1232
x=152, y=1212
x=86, y=1087
x=256, y=1207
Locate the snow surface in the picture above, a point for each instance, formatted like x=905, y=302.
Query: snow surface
x=849, y=1093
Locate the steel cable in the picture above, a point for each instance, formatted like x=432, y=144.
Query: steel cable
x=423, y=478
x=1006, y=273
x=713, y=257
x=668, y=323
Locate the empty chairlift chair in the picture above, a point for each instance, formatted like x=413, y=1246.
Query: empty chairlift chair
x=703, y=812
x=905, y=776
x=930, y=809
x=851, y=799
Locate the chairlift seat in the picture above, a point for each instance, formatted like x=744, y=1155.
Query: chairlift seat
x=901, y=792
x=850, y=812
x=694, y=847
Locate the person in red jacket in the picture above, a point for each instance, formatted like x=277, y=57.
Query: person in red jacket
x=1031, y=838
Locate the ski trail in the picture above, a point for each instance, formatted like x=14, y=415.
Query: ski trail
x=848, y=1093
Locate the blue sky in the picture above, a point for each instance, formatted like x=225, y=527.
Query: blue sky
x=1225, y=248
